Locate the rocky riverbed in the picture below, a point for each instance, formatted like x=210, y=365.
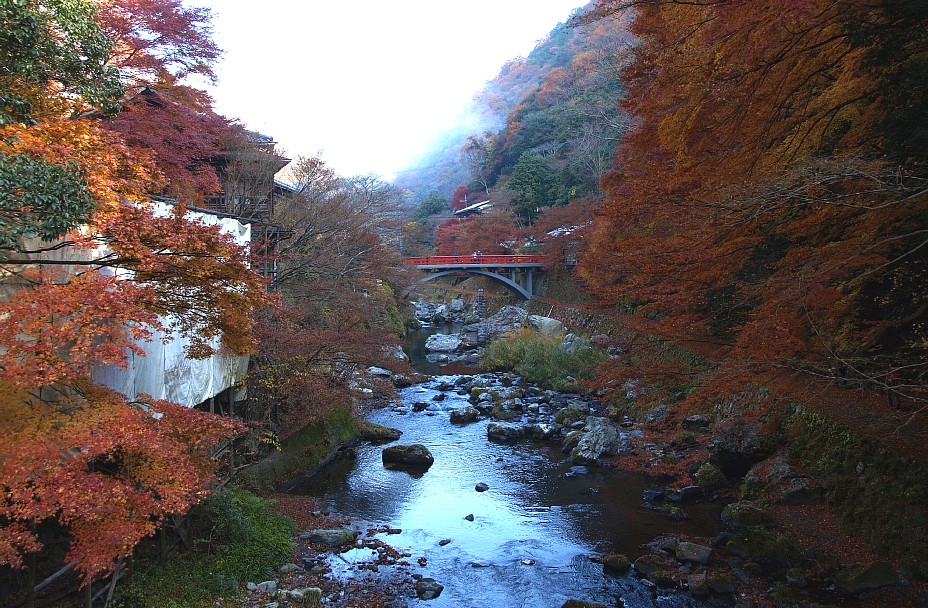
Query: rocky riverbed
x=515, y=510
x=514, y=500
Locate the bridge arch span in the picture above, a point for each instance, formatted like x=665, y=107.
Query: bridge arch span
x=508, y=283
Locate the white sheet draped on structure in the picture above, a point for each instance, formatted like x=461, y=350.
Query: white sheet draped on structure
x=165, y=372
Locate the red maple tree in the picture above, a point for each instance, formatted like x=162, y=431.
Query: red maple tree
x=766, y=205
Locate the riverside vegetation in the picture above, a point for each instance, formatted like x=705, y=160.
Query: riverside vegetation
x=235, y=537
x=541, y=358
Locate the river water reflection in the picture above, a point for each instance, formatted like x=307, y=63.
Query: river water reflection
x=533, y=531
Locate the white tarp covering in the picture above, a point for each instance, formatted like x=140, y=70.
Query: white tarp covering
x=165, y=372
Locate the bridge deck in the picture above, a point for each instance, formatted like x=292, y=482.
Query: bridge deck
x=464, y=262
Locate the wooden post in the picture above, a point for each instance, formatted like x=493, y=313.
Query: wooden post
x=30, y=581
x=109, y=594
x=48, y=581
x=88, y=595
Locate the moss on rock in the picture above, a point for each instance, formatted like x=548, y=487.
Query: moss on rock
x=863, y=577
x=616, y=563
x=302, y=451
x=879, y=493
x=710, y=478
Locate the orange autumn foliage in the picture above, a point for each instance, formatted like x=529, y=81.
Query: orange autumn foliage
x=108, y=470
x=74, y=456
x=178, y=266
x=761, y=206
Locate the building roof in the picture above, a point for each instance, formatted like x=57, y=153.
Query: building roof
x=475, y=208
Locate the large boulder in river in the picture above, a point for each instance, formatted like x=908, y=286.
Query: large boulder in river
x=616, y=563
x=441, y=314
x=693, y=553
x=598, y=439
x=424, y=311
x=428, y=588
x=465, y=415
x=540, y=431
x=415, y=454
x=401, y=380
x=376, y=433
x=503, y=432
x=509, y=318
x=443, y=343
x=546, y=325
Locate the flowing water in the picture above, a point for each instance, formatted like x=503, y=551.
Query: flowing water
x=533, y=532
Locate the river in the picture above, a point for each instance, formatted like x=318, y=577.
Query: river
x=536, y=532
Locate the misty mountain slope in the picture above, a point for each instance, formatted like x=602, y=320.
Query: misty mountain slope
x=561, y=100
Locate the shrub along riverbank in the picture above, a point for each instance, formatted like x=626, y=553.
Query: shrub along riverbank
x=542, y=359
x=235, y=537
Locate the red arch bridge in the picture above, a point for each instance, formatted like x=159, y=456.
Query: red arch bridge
x=521, y=274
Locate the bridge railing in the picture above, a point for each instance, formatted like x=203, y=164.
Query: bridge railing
x=475, y=259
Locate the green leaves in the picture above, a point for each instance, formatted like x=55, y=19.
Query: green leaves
x=40, y=199
x=433, y=204
x=53, y=41
x=537, y=183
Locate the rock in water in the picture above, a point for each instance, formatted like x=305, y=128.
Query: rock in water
x=332, y=538
x=616, y=562
x=599, y=439
x=443, y=343
x=503, y=432
x=465, y=415
x=691, y=552
x=415, y=454
x=377, y=433
x=428, y=588
x=481, y=487
x=509, y=318
x=441, y=314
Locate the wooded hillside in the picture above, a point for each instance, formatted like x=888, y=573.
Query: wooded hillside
x=770, y=206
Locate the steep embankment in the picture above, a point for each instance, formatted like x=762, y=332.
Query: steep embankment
x=848, y=508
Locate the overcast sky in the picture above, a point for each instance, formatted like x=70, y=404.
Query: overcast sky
x=366, y=83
